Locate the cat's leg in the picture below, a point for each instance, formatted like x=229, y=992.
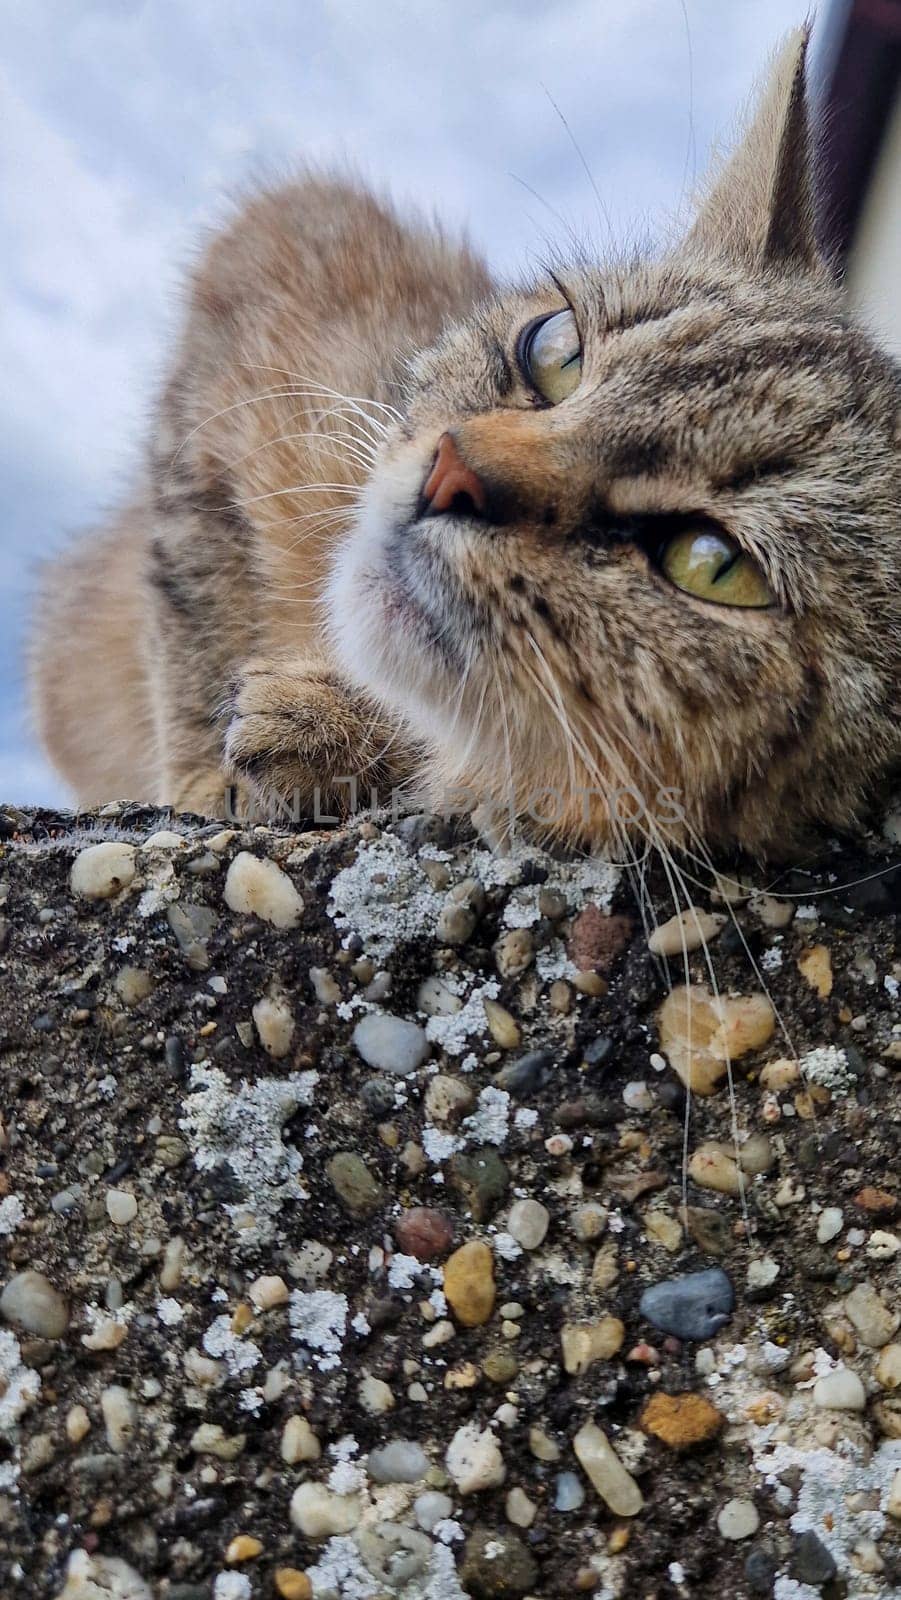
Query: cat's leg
x=298, y=737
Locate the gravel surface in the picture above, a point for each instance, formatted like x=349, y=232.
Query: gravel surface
x=344, y=1250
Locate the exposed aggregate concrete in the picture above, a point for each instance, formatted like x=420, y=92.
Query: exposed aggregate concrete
x=342, y=1244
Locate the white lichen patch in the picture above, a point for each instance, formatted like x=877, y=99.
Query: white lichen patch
x=12, y=1215
x=342, y=1571
x=586, y=878
x=490, y=1122
x=242, y=1128
x=384, y=897
x=319, y=1320
x=454, y=1031
x=828, y=1066
x=19, y=1385
x=222, y=1343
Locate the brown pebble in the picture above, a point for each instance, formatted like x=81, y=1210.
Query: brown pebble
x=244, y=1547
x=877, y=1202
x=469, y=1283
x=596, y=940
x=681, y=1420
x=292, y=1584
x=424, y=1233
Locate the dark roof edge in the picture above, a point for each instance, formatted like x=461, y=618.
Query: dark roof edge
x=855, y=80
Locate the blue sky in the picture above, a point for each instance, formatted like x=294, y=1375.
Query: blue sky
x=127, y=125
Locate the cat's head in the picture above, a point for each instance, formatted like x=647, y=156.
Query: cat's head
x=635, y=546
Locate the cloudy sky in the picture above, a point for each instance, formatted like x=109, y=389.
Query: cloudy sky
x=126, y=123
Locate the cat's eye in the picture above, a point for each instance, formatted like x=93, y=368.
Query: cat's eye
x=550, y=354
x=711, y=566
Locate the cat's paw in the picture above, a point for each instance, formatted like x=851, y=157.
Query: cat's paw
x=299, y=738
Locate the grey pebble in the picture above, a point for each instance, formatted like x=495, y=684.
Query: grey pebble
x=760, y=1572
x=390, y=1044
x=524, y=1074
x=31, y=1301
x=811, y=1562
x=398, y=1461
x=693, y=1307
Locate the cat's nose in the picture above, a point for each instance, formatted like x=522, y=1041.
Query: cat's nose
x=452, y=486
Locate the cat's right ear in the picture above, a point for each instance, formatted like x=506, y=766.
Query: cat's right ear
x=759, y=209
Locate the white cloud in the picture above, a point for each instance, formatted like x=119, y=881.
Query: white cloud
x=126, y=123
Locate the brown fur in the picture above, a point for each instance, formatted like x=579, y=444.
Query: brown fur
x=187, y=647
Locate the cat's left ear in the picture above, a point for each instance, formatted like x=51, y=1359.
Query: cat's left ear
x=759, y=210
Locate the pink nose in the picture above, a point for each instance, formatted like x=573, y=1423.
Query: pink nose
x=452, y=485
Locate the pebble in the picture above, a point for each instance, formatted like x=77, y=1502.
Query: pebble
x=482, y=1178
x=688, y=931
x=497, y=1565
x=681, y=1420
x=132, y=985
x=569, y=1493
x=31, y=1301
x=469, y=1283
x=526, y=1074
x=811, y=1562
x=121, y=1207
x=359, y=1192
x=118, y=1417
x=210, y=1439
x=102, y=870
x=78, y=1424
x=398, y=1461
x=390, y=1044
x=815, y=964
x=738, y=1519
x=893, y=1503
x=521, y=1511
x=590, y=1221
x=829, y=1224
x=664, y=1229
x=841, y=1390
x=474, y=1459
x=513, y=952
x=692, y=1307
x=258, y=887
x=888, y=1367
x=299, y=1442
x=292, y=1584
x=274, y=1023
x=375, y=1396
x=318, y=1513
x=616, y=1487
x=94, y=1577
x=712, y=1167
x=871, y=1317
x=244, y=1547
x=431, y=1508
x=542, y=1446
x=424, y=1233
x=447, y=1099
x=502, y=1026
x=528, y=1223
x=700, y=1033
x=584, y=1343
x=760, y=1572
x=637, y=1097
x=268, y=1291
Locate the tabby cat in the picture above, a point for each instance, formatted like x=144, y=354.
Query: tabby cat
x=626, y=529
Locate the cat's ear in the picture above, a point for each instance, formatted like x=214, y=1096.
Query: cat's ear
x=759, y=209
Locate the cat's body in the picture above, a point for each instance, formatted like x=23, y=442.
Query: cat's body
x=517, y=595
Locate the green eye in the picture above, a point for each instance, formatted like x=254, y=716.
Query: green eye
x=551, y=356
x=712, y=567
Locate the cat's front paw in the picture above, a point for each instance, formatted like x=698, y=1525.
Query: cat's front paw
x=299, y=738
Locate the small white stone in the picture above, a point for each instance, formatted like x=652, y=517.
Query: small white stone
x=431, y=1508
x=688, y=931
x=841, y=1390
x=121, y=1207
x=275, y=1025
x=165, y=840
x=881, y=1246
x=318, y=1513
x=829, y=1224
x=269, y=1291
x=299, y=1442
x=738, y=1519
x=102, y=870
x=259, y=888
x=521, y=1511
x=398, y=1461
x=30, y=1300
x=616, y=1487
x=376, y=1396
x=118, y=1416
x=474, y=1459
x=528, y=1223
x=637, y=1096
x=78, y=1424
x=893, y=1503
x=90, y=1577
x=390, y=1044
